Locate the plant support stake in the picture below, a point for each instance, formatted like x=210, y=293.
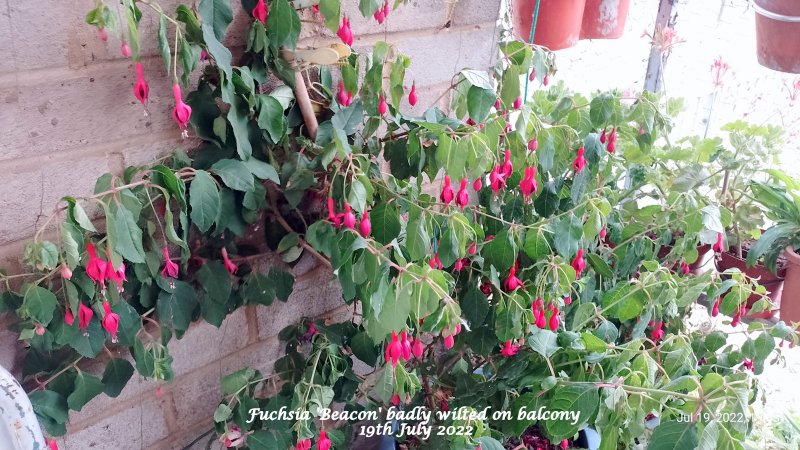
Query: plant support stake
x=530, y=41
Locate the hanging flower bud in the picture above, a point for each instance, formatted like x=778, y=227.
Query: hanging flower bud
x=365, y=226
x=736, y=318
x=102, y=34
x=512, y=283
x=579, y=263
x=472, y=248
x=580, y=161
x=182, y=111
x=603, y=137
x=459, y=265
x=497, y=104
x=395, y=400
x=612, y=141
x=85, y=315
x=470, y=122
x=478, y=184
x=564, y=444
x=657, y=332
x=532, y=75
x=509, y=349
x=447, y=192
x=52, y=444
x=603, y=233
x=507, y=168
x=379, y=16
x=435, y=263
x=568, y=300
x=323, y=443
x=541, y=322
x=382, y=107
x=394, y=350
x=344, y=32
x=349, y=219
x=449, y=341
x=118, y=275
x=715, y=308
x=170, y=267
x=140, y=87
x=66, y=272
x=69, y=318
x=684, y=268
x=533, y=144
x=110, y=322
x=341, y=96
x=96, y=267
x=305, y=444
x=332, y=216
x=718, y=246
x=412, y=96
x=260, y=11
x=546, y=80
x=405, y=345
x=554, y=320
x=528, y=185
x=517, y=103
x=462, y=197
x=748, y=364
x=125, y=49
x=386, y=9
x=417, y=348
x=230, y=266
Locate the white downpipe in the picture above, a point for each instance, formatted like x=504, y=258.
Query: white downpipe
x=19, y=428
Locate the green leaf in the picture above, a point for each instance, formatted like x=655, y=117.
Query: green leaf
x=593, y=343
x=77, y=214
x=283, y=25
x=417, y=241
x=72, y=242
x=267, y=440
x=477, y=78
x=166, y=178
x=222, y=413
x=38, y=304
x=258, y=290
x=237, y=381
x=480, y=102
x=271, y=118
x=385, y=222
x=235, y=174
x=87, y=387
x=348, y=119
x=330, y=11
x=364, y=349
x=238, y=116
x=262, y=170
x=543, y=342
x=500, y=251
x=475, y=306
x=282, y=282
x=175, y=306
x=49, y=404
x=580, y=399
x=127, y=236
x=674, y=435
x=204, y=200
x=215, y=280
x=116, y=375
x=222, y=56
x=218, y=13
x=600, y=266
x=536, y=244
x=448, y=157
x=163, y=42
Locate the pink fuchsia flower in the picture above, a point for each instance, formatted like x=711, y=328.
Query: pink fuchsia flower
x=612, y=141
x=472, y=248
x=579, y=264
x=564, y=444
x=435, y=262
x=509, y=349
x=603, y=138
x=52, y=444
x=715, y=308
x=379, y=16
x=125, y=49
x=85, y=315
x=260, y=11
x=447, y=194
x=603, y=233
x=305, y=444
x=719, y=246
x=528, y=185
x=323, y=443
x=533, y=144
x=345, y=33
x=517, y=103
x=66, y=272
x=349, y=219
x=382, y=107
x=546, y=79
x=332, y=216
x=417, y=348
x=748, y=364
x=477, y=185
x=462, y=197
x=412, y=95
x=554, y=320
x=102, y=34
x=69, y=318
x=684, y=268
x=497, y=180
x=580, y=161
x=182, y=111
x=405, y=345
x=512, y=283
x=140, y=87
x=449, y=342
x=344, y=97
x=115, y=275
x=507, y=168
x=110, y=322
x=96, y=267
x=657, y=332
x=394, y=350
x=365, y=226
x=230, y=266
x=170, y=267
x=395, y=400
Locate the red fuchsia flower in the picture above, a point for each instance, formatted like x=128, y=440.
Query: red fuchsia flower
x=230, y=266
x=684, y=268
x=365, y=226
x=449, y=342
x=140, y=87
x=345, y=33
x=477, y=185
x=96, y=267
x=170, y=268
x=528, y=185
x=435, y=263
x=349, y=219
x=580, y=161
x=382, y=107
x=486, y=288
x=546, y=80
x=85, y=315
x=496, y=180
x=69, y=318
x=344, y=97
x=305, y=444
x=66, y=272
x=718, y=246
x=459, y=264
x=533, y=144
x=532, y=75
x=323, y=443
x=405, y=344
x=462, y=197
x=412, y=96
x=541, y=321
x=379, y=16
x=579, y=264
x=517, y=103
x=748, y=364
x=447, y=194
x=472, y=248
x=182, y=111
x=497, y=104
x=509, y=349
x=554, y=320
x=125, y=49
x=260, y=11
x=657, y=332
x=102, y=34
x=110, y=322
x=603, y=233
x=395, y=400
x=417, y=348
x=471, y=122
x=233, y=437
x=715, y=308
x=603, y=137
x=564, y=444
x=612, y=141
x=386, y=9
x=718, y=71
x=394, y=350
x=512, y=283
x=507, y=168
x=568, y=300
x=736, y=318
x=118, y=275
x=332, y=216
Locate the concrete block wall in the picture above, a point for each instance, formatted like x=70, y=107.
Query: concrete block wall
x=68, y=115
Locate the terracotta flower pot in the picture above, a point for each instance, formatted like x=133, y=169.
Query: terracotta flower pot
x=558, y=26
x=772, y=282
x=790, y=304
x=604, y=19
x=700, y=264
x=778, y=34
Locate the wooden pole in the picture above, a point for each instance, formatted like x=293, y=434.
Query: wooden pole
x=653, y=79
x=304, y=102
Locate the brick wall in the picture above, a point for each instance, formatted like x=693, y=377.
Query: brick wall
x=68, y=115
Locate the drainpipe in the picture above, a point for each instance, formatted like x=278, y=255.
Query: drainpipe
x=654, y=78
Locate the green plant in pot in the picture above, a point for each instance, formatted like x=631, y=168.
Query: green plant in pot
x=780, y=198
